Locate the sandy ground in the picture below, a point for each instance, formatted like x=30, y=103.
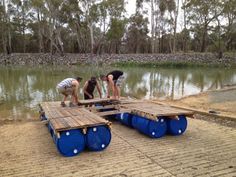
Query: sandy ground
x=205, y=149
x=220, y=102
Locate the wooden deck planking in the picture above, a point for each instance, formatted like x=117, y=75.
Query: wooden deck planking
x=153, y=111
x=65, y=118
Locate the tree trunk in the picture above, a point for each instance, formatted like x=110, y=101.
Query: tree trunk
x=203, y=47
x=175, y=26
x=40, y=37
x=9, y=47
x=51, y=35
x=91, y=37
x=220, y=52
x=3, y=28
x=152, y=27
x=23, y=29
x=185, y=28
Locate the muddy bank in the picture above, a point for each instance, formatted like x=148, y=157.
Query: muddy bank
x=218, y=103
x=160, y=59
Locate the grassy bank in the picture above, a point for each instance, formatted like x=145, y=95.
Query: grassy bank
x=169, y=64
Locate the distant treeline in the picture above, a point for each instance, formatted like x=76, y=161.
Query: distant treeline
x=102, y=26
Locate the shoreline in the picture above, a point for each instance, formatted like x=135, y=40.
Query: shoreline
x=144, y=60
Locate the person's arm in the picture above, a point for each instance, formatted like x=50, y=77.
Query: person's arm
x=108, y=89
x=111, y=84
x=85, y=90
x=99, y=90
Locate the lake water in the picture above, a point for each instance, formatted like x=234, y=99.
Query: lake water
x=22, y=88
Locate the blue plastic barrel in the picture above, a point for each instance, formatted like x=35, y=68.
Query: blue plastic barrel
x=125, y=118
x=134, y=121
x=97, y=105
x=43, y=117
x=54, y=137
x=98, y=138
x=154, y=129
x=71, y=142
x=158, y=128
x=50, y=129
x=177, y=127
x=117, y=117
x=141, y=124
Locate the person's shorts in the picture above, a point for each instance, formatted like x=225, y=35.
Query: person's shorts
x=119, y=81
x=65, y=90
x=86, y=97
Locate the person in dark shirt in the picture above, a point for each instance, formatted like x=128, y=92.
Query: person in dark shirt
x=89, y=87
x=113, y=80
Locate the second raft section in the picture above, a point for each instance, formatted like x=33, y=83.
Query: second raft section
x=154, y=128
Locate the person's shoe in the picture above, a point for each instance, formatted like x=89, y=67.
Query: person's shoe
x=71, y=104
x=63, y=104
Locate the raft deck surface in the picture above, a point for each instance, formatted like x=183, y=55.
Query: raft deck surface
x=153, y=111
x=65, y=118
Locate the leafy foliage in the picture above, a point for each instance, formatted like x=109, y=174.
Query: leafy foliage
x=102, y=26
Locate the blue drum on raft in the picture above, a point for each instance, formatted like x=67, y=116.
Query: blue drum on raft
x=98, y=138
x=50, y=129
x=154, y=129
x=125, y=118
x=177, y=127
x=70, y=142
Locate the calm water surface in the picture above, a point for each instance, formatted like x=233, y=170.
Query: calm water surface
x=22, y=88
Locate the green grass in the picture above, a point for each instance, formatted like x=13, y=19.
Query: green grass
x=167, y=64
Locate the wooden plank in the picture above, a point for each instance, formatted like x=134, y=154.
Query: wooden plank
x=107, y=113
x=70, y=118
x=95, y=108
x=158, y=110
x=101, y=100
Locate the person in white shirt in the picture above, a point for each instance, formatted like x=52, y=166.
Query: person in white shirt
x=69, y=86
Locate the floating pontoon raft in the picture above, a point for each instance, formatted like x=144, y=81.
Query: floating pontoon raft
x=75, y=128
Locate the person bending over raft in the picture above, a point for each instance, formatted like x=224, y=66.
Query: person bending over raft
x=89, y=87
x=69, y=86
x=114, y=79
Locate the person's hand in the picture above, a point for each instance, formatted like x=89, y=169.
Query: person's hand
x=90, y=96
x=114, y=97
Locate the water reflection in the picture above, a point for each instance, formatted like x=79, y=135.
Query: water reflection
x=22, y=88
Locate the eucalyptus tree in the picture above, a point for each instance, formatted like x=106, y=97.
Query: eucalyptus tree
x=22, y=17
x=137, y=34
x=229, y=12
x=159, y=20
x=89, y=7
x=155, y=18
x=116, y=23
x=39, y=19
x=53, y=13
x=6, y=35
x=2, y=26
x=202, y=14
